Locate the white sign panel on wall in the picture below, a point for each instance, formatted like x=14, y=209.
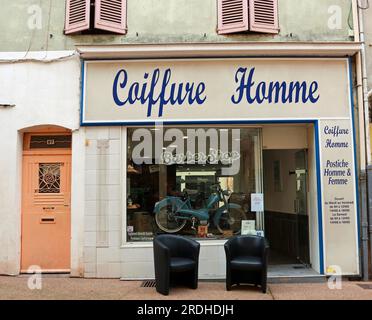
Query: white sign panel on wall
x=213, y=90
x=339, y=195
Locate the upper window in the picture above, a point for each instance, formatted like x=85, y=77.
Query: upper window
x=248, y=15
x=93, y=15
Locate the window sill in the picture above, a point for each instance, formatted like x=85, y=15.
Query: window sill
x=203, y=243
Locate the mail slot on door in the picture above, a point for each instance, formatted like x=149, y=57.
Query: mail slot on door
x=48, y=220
x=48, y=208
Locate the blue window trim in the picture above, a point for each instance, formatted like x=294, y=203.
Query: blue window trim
x=319, y=196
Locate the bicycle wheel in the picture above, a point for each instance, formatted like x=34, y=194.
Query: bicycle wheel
x=167, y=221
x=231, y=220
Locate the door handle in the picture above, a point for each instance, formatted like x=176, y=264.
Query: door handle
x=48, y=208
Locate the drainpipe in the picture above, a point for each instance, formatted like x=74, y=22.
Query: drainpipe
x=369, y=98
x=365, y=175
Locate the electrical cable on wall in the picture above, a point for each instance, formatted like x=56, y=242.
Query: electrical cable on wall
x=48, y=28
x=349, y=23
x=45, y=58
x=31, y=39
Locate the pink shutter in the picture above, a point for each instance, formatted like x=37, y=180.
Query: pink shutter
x=264, y=16
x=77, y=15
x=232, y=16
x=111, y=15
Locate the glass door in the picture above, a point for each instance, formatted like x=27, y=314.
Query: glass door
x=260, y=215
x=302, y=222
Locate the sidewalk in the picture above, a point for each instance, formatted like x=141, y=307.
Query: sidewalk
x=61, y=288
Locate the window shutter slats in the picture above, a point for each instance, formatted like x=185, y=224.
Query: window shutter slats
x=77, y=15
x=111, y=15
x=263, y=16
x=232, y=16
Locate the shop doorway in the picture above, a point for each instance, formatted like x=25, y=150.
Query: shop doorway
x=46, y=194
x=286, y=208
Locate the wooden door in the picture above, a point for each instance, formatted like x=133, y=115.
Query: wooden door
x=46, y=213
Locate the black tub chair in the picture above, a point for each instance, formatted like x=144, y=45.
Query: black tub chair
x=246, y=261
x=176, y=259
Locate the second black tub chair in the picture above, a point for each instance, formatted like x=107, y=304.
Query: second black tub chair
x=176, y=259
x=246, y=261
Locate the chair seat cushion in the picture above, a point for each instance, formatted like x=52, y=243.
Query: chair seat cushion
x=246, y=263
x=181, y=264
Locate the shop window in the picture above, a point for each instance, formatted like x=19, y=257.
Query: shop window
x=247, y=15
x=199, y=184
x=96, y=16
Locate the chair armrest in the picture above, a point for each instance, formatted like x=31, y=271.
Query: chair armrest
x=229, y=251
x=265, y=251
x=161, y=253
x=191, y=248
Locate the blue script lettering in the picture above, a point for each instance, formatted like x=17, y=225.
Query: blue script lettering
x=158, y=91
x=274, y=91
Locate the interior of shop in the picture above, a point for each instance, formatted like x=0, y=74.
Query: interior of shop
x=286, y=207
x=201, y=187
x=184, y=197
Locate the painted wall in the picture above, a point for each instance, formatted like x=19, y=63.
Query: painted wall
x=288, y=137
x=42, y=94
x=279, y=143
x=169, y=21
x=279, y=201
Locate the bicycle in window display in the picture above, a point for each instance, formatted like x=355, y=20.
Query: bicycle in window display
x=172, y=213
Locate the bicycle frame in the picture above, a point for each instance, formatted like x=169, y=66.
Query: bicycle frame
x=183, y=209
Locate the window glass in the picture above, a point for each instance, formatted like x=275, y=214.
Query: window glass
x=195, y=182
x=49, y=177
x=50, y=142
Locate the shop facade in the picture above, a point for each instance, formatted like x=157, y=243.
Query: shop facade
x=105, y=126
x=275, y=136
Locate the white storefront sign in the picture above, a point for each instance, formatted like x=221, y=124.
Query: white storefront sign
x=339, y=198
x=130, y=92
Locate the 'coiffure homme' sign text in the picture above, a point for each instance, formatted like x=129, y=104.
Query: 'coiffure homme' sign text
x=214, y=90
x=190, y=93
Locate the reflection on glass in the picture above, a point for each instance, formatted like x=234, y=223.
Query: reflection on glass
x=195, y=193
